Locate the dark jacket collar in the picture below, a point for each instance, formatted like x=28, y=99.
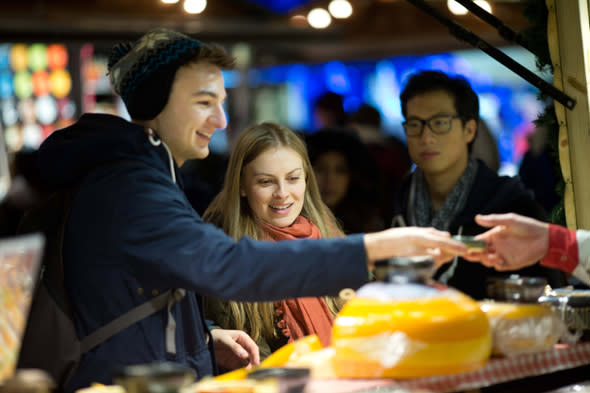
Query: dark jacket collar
x=94, y=140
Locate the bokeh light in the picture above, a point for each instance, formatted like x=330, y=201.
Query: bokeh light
x=37, y=57
x=195, y=6
x=19, y=57
x=41, y=85
x=57, y=56
x=319, y=18
x=60, y=82
x=23, y=84
x=340, y=9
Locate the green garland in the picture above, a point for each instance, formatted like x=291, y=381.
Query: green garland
x=536, y=37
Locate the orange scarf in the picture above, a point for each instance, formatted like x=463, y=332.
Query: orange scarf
x=306, y=315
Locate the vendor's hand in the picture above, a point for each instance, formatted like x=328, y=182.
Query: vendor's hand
x=235, y=349
x=411, y=241
x=514, y=241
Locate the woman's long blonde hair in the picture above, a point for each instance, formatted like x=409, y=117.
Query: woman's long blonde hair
x=231, y=212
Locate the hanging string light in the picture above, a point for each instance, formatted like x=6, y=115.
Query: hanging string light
x=195, y=6
x=340, y=9
x=319, y=18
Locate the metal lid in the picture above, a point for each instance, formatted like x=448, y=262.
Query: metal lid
x=572, y=298
x=405, y=269
x=158, y=377
x=279, y=372
x=516, y=289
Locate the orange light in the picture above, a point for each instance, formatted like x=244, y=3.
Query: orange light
x=41, y=83
x=57, y=56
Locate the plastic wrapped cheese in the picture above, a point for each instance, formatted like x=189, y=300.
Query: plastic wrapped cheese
x=409, y=330
x=522, y=328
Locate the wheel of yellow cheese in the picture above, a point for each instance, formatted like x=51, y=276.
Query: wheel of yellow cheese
x=430, y=332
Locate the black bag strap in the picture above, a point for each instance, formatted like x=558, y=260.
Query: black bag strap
x=136, y=314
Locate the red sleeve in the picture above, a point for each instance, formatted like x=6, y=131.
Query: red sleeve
x=563, y=249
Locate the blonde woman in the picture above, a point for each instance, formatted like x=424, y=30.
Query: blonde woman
x=270, y=193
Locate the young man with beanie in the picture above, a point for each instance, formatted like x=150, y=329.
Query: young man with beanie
x=132, y=234
x=449, y=187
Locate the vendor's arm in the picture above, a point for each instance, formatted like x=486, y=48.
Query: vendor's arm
x=516, y=241
x=569, y=251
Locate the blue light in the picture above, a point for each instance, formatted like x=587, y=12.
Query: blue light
x=337, y=79
x=297, y=113
x=254, y=78
x=280, y=6
x=380, y=82
x=351, y=104
x=218, y=142
x=231, y=78
x=6, y=88
x=4, y=57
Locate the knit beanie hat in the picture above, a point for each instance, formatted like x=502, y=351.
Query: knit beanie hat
x=142, y=73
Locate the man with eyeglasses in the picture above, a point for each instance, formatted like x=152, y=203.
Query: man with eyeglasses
x=449, y=187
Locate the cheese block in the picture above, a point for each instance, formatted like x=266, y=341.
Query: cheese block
x=522, y=328
x=409, y=331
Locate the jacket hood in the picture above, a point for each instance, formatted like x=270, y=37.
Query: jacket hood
x=95, y=139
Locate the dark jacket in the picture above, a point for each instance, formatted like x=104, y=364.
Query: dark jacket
x=490, y=194
x=132, y=234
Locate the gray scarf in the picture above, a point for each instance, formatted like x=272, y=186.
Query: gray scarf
x=420, y=210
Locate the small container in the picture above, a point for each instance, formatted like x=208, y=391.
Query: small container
x=519, y=328
x=162, y=377
x=516, y=289
x=418, y=269
x=472, y=244
x=573, y=306
x=290, y=380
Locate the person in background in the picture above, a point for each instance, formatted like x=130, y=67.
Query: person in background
x=348, y=179
x=328, y=111
x=132, y=233
x=539, y=170
x=516, y=241
x=449, y=187
x=390, y=154
x=270, y=193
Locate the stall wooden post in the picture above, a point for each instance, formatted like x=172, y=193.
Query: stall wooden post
x=569, y=45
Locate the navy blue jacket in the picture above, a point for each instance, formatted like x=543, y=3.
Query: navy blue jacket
x=132, y=234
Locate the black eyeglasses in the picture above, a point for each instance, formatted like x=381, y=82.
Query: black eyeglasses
x=440, y=124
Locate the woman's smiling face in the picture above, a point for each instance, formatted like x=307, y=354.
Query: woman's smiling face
x=274, y=185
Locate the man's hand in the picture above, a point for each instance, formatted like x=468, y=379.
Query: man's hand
x=235, y=349
x=411, y=241
x=514, y=241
